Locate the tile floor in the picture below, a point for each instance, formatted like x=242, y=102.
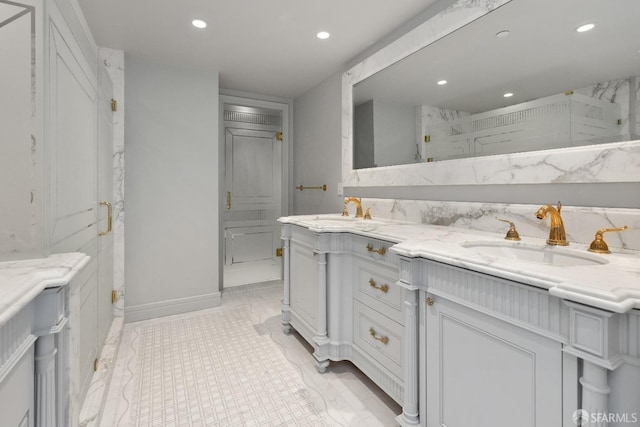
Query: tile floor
x=233, y=366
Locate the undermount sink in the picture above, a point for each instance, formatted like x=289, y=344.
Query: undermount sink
x=550, y=255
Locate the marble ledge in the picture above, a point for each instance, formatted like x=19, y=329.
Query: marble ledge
x=22, y=281
x=613, y=285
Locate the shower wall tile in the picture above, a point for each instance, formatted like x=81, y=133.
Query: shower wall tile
x=114, y=61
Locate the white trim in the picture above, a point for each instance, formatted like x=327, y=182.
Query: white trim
x=171, y=307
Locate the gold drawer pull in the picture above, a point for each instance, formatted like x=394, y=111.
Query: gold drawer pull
x=430, y=301
x=383, y=340
x=380, y=251
x=384, y=288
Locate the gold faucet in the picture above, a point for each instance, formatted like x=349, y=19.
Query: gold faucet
x=355, y=202
x=557, y=235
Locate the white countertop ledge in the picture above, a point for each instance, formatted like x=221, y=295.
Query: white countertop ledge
x=614, y=286
x=22, y=281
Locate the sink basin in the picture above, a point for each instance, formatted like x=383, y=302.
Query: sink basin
x=550, y=255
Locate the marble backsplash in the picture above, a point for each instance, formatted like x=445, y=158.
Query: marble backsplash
x=581, y=223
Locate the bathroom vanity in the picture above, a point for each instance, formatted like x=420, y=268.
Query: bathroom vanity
x=462, y=327
x=42, y=340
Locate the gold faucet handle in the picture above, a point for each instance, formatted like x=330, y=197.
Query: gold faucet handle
x=367, y=214
x=345, y=212
x=599, y=245
x=512, y=234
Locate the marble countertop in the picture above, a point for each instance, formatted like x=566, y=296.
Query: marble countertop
x=22, y=281
x=613, y=285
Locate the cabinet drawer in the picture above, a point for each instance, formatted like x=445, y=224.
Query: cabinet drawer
x=375, y=287
x=379, y=337
x=374, y=250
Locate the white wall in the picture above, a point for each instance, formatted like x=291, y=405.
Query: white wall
x=317, y=151
x=171, y=190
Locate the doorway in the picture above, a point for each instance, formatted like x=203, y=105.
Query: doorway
x=253, y=183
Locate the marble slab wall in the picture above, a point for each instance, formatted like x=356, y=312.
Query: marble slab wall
x=114, y=61
x=581, y=223
x=620, y=92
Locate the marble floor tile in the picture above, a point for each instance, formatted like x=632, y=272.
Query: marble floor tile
x=233, y=366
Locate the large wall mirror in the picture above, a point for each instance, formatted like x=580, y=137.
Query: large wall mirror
x=486, y=90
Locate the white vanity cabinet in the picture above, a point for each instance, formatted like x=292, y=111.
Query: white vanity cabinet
x=487, y=372
x=303, y=275
x=490, y=350
x=340, y=297
x=378, y=316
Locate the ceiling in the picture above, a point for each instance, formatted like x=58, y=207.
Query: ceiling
x=268, y=46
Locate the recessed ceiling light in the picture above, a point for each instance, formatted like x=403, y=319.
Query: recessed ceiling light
x=503, y=33
x=508, y=95
x=322, y=35
x=442, y=82
x=199, y=23
x=585, y=27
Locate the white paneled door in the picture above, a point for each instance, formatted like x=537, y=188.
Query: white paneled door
x=253, y=167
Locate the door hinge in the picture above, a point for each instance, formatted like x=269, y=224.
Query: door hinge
x=278, y=251
x=95, y=365
x=427, y=138
x=279, y=136
x=114, y=105
x=114, y=296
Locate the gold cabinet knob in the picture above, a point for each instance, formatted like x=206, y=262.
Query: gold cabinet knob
x=599, y=245
x=430, y=301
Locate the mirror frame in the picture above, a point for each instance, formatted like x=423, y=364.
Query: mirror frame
x=603, y=163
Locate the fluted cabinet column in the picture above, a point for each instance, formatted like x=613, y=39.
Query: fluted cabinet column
x=286, y=299
x=45, y=381
x=321, y=339
x=595, y=392
x=410, y=410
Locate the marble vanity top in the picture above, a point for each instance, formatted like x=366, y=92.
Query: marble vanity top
x=22, y=281
x=613, y=285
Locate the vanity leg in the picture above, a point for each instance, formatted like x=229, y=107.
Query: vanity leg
x=45, y=382
x=321, y=340
x=595, y=391
x=286, y=300
x=410, y=414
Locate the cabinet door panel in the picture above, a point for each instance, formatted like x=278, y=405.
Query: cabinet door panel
x=485, y=372
x=72, y=147
x=304, y=280
x=16, y=394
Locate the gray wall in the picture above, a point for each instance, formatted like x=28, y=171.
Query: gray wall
x=317, y=150
x=171, y=190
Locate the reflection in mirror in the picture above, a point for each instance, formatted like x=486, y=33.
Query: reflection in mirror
x=449, y=100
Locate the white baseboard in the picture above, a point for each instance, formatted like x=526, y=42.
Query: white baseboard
x=171, y=307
